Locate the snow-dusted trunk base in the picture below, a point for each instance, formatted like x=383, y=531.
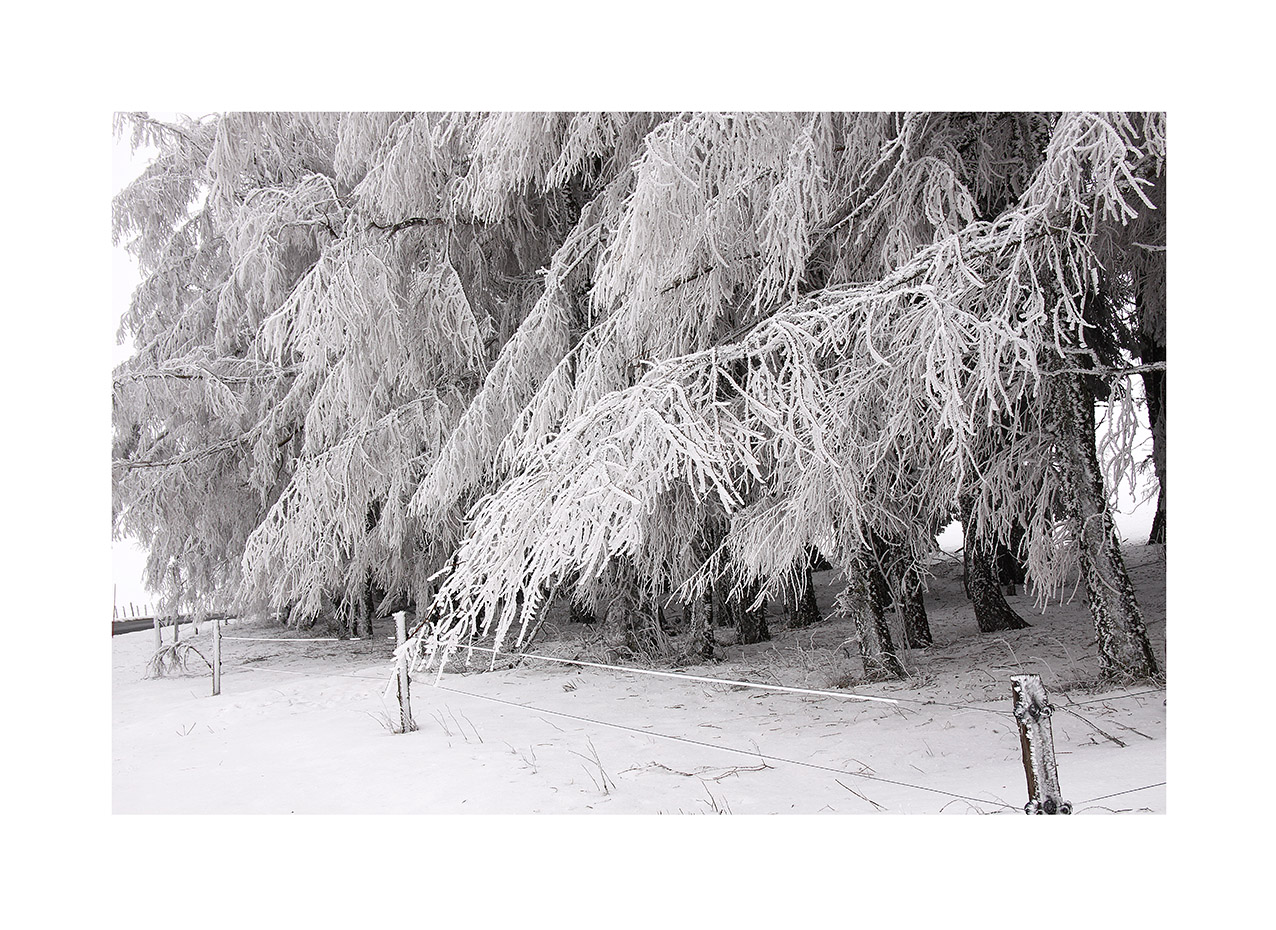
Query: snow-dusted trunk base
x=983, y=584
x=697, y=620
x=913, y=604
x=863, y=601
x=738, y=611
x=1154, y=391
x=634, y=624
x=1124, y=650
x=898, y=586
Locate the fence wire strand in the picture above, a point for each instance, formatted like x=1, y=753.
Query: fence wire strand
x=756, y=753
x=1117, y=794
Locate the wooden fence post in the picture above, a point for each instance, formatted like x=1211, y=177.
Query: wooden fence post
x=159, y=642
x=217, y=657
x=1036, y=739
x=406, y=724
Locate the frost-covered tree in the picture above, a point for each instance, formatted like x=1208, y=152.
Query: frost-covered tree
x=474, y=361
x=835, y=346
x=181, y=406
x=322, y=296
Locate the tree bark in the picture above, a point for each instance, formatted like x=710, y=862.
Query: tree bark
x=913, y=603
x=1154, y=392
x=634, y=620
x=802, y=608
x=983, y=587
x=1124, y=650
x=899, y=587
x=1150, y=294
x=1012, y=572
x=700, y=641
x=863, y=597
x=751, y=620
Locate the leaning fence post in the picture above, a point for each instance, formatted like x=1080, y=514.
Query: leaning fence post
x=1036, y=739
x=217, y=657
x=406, y=725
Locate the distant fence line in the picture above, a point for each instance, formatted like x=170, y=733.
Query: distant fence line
x=158, y=621
x=131, y=611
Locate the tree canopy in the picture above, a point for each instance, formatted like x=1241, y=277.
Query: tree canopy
x=471, y=361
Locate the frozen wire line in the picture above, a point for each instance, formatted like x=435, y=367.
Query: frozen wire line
x=1117, y=794
x=683, y=739
x=702, y=678
x=279, y=639
x=1117, y=697
x=755, y=753
x=639, y=730
x=728, y=681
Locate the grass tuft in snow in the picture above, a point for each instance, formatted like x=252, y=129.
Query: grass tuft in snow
x=173, y=658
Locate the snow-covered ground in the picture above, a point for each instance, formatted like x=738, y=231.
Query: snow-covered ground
x=302, y=728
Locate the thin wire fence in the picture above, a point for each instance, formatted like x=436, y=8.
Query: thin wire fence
x=756, y=752
x=1116, y=697
x=739, y=683
x=699, y=678
x=761, y=686
x=279, y=639
x=1117, y=794
x=753, y=753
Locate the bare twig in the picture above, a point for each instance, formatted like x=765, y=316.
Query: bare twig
x=858, y=795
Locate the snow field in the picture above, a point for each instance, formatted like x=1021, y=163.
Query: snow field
x=304, y=729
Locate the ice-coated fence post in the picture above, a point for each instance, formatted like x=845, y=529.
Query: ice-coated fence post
x=406, y=725
x=159, y=642
x=1036, y=739
x=217, y=657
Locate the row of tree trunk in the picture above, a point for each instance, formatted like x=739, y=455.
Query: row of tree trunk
x=882, y=578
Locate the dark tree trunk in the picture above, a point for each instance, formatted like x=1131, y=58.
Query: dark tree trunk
x=634, y=620
x=1012, y=572
x=983, y=587
x=751, y=620
x=899, y=587
x=724, y=613
x=1157, y=536
x=912, y=601
x=863, y=596
x=1149, y=296
x=1154, y=391
x=1124, y=650
x=802, y=608
x=366, y=608
x=700, y=641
